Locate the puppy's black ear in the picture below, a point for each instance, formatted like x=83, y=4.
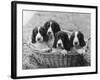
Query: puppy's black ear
x=46, y=25
x=56, y=27
x=67, y=44
x=71, y=39
x=81, y=40
x=45, y=36
x=33, y=35
x=82, y=43
x=55, y=41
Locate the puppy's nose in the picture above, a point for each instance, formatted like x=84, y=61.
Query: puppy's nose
x=59, y=44
x=76, y=43
x=49, y=33
x=39, y=39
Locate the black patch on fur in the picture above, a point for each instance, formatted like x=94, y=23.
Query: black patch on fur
x=81, y=39
x=71, y=39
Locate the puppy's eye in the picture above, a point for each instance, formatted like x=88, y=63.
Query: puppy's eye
x=42, y=31
x=79, y=36
x=48, y=25
x=35, y=31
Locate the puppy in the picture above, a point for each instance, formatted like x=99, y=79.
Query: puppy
x=77, y=42
x=40, y=38
x=62, y=42
x=52, y=27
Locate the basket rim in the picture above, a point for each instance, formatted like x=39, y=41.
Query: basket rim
x=36, y=51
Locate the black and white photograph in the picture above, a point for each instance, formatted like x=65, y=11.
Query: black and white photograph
x=56, y=39
x=53, y=40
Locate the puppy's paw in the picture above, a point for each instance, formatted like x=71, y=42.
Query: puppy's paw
x=64, y=52
x=81, y=51
x=46, y=50
x=54, y=50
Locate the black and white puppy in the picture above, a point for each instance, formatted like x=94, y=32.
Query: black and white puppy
x=52, y=27
x=39, y=35
x=40, y=38
x=62, y=42
x=77, y=41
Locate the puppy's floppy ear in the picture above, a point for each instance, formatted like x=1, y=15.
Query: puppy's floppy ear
x=67, y=44
x=56, y=27
x=46, y=25
x=81, y=39
x=33, y=35
x=45, y=36
x=71, y=39
x=55, y=41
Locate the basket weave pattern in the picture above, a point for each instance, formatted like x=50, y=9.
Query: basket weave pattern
x=55, y=60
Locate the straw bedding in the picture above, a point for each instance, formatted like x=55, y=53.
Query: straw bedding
x=53, y=59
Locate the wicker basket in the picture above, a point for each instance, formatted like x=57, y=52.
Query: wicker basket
x=56, y=59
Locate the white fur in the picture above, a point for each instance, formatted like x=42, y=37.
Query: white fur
x=76, y=39
x=43, y=47
x=50, y=29
x=81, y=51
x=64, y=52
x=51, y=41
x=51, y=37
x=60, y=42
x=39, y=36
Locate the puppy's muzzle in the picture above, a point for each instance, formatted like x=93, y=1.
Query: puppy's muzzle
x=49, y=33
x=76, y=43
x=59, y=44
x=39, y=39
